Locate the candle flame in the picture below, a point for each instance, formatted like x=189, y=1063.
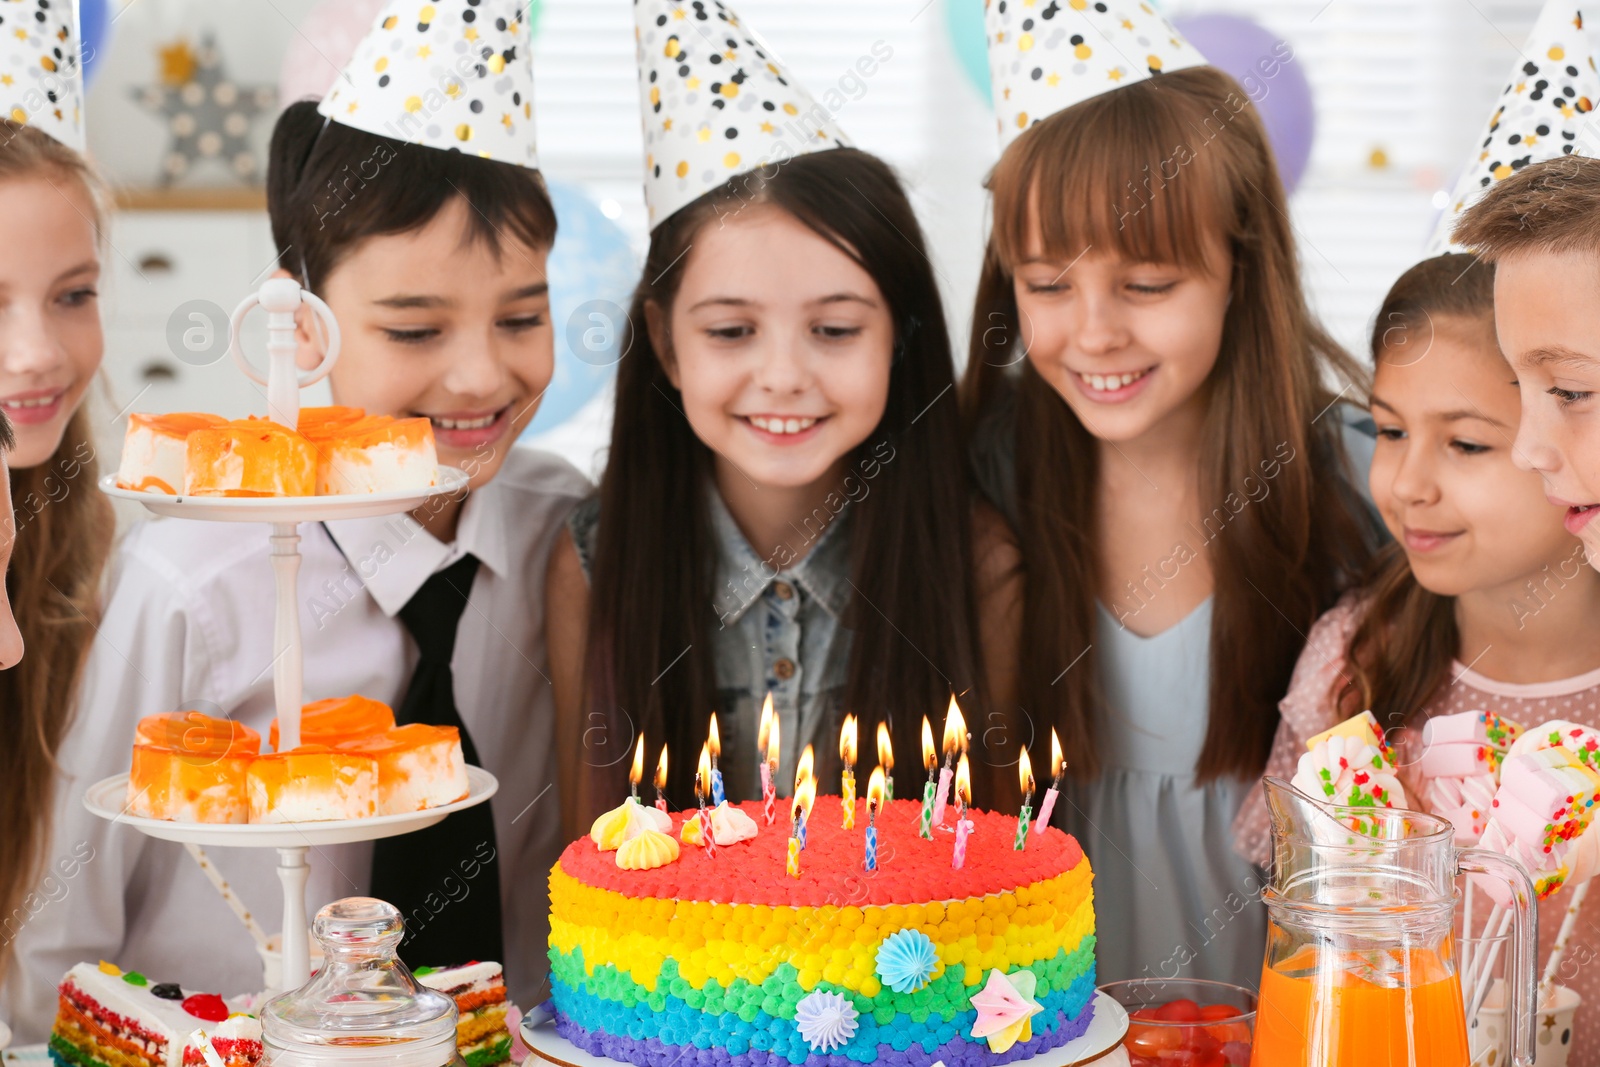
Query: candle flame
x=636, y=773
x=806, y=796
x=847, y=741
x=955, y=729
x=1025, y=773
x=661, y=769
x=774, y=745
x=1056, y=761
x=964, y=781
x=885, y=749
x=715, y=742
x=802, y=772
x=875, y=789
x=702, y=777
x=766, y=726
x=930, y=755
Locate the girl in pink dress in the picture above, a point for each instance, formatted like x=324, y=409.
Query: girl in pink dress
x=1484, y=600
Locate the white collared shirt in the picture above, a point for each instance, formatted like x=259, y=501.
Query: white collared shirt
x=189, y=622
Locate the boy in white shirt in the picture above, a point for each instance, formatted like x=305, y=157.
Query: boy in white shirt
x=433, y=260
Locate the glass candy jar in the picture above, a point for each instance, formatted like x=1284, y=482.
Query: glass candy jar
x=363, y=1007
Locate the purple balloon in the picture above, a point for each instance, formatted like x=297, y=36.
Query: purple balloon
x=1271, y=74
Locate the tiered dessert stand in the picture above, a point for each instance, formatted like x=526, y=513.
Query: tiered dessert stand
x=281, y=298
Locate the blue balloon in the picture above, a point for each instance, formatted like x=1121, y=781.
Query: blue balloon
x=963, y=21
x=93, y=28
x=592, y=274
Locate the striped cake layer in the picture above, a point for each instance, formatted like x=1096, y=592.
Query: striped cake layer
x=645, y=978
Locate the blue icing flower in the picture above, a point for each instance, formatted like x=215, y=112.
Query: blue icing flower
x=826, y=1020
x=907, y=960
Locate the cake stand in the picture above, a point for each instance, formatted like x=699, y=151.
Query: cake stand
x=281, y=298
x=1106, y=1031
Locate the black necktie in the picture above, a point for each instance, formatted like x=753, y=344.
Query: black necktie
x=446, y=879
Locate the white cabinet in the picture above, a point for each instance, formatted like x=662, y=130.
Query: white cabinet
x=155, y=263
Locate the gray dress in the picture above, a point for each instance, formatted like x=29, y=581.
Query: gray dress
x=779, y=633
x=1171, y=897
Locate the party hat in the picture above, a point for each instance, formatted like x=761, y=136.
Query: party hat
x=1046, y=55
x=41, y=73
x=450, y=74
x=1542, y=113
x=717, y=102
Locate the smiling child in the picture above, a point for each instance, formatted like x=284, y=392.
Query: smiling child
x=435, y=268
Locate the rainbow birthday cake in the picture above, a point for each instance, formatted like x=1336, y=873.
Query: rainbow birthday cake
x=722, y=959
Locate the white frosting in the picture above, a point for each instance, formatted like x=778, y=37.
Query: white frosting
x=147, y=454
x=730, y=825
x=201, y=808
x=164, y=1018
x=477, y=975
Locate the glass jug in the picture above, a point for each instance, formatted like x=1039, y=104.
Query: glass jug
x=363, y=1008
x=1361, y=965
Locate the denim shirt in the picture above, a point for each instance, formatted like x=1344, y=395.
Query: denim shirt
x=774, y=630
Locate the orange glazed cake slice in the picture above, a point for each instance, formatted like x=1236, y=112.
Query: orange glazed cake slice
x=154, y=448
x=312, y=783
x=249, y=457
x=188, y=767
x=380, y=454
x=336, y=720
x=419, y=766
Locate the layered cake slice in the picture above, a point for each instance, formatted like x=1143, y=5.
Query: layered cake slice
x=106, y=1016
x=419, y=766
x=154, y=449
x=479, y=990
x=249, y=457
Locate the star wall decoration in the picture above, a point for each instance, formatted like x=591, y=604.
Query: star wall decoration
x=208, y=116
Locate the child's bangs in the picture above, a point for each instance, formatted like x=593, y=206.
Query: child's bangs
x=1141, y=173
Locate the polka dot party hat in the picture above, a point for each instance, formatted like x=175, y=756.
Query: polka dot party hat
x=450, y=74
x=717, y=102
x=1546, y=110
x=41, y=76
x=1046, y=55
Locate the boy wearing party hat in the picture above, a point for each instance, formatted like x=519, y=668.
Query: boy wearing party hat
x=1530, y=204
x=408, y=200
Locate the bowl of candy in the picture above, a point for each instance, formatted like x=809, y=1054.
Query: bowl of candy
x=1186, y=1023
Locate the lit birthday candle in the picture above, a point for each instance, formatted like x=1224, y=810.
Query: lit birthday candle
x=636, y=772
x=886, y=761
x=955, y=744
x=763, y=743
x=963, y=824
x=930, y=760
x=1057, y=767
x=661, y=780
x=774, y=750
x=1025, y=774
x=847, y=779
x=804, y=779
x=795, y=812
x=701, y=777
x=876, y=785
x=715, y=745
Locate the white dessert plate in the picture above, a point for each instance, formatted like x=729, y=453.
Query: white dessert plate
x=287, y=508
x=1106, y=1031
x=108, y=799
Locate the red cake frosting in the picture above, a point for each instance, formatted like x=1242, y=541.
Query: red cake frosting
x=910, y=869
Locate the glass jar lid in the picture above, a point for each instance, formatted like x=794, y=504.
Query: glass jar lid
x=363, y=1006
